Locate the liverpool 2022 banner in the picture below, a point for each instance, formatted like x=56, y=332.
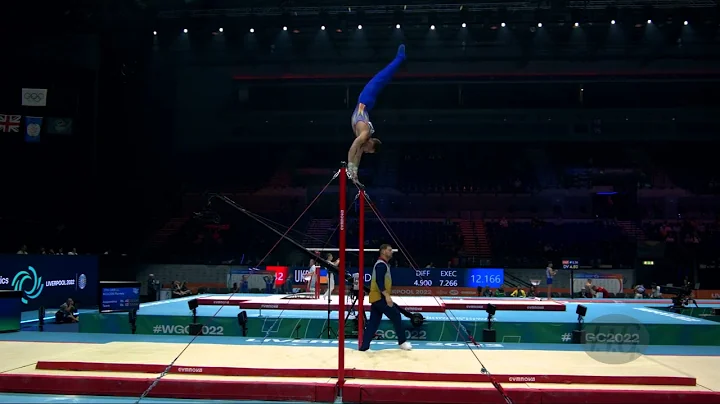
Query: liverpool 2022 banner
x=49, y=280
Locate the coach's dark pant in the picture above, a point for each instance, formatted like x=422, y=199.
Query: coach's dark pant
x=377, y=310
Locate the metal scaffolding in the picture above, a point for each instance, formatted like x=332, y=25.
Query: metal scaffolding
x=183, y=11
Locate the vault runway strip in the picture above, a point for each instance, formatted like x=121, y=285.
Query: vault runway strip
x=302, y=373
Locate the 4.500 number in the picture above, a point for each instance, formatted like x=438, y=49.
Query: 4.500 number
x=613, y=338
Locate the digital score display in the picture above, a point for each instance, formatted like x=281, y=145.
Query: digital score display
x=119, y=296
x=570, y=264
x=456, y=278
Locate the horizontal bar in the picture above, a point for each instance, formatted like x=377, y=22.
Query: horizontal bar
x=350, y=249
x=474, y=75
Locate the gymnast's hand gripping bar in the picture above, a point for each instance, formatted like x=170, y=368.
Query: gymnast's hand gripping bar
x=416, y=319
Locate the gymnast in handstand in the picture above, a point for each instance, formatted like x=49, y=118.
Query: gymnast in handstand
x=360, y=121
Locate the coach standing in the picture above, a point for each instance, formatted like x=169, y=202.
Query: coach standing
x=381, y=301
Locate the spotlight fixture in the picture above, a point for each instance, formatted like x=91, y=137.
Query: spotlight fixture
x=220, y=30
x=192, y=304
x=612, y=22
x=359, y=26
x=242, y=322
x=539, y=25
x=285, y=28
x=132, y=319
x=685, y=23
x=464, y=25
x=490, y=335
x=577, y=24
x=432, y=28
x=578, y=335
x=502, y=25
x=185, y=31
x=41, y=318
x=649, y=21
x=397, y=26
x=154, y=32
x=252, y=30
x=322, y=28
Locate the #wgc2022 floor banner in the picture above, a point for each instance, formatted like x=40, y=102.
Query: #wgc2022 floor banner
x=49, y=280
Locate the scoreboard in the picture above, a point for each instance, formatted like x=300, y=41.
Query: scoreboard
x=431, y=278
x=571, y=264
x=453, y=278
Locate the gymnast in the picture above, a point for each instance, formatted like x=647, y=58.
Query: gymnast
x=360, y=121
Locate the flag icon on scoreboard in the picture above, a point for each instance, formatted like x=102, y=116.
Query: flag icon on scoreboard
x=9, y=123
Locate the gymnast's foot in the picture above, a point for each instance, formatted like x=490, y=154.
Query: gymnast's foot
x=400, y=53
x=406, y=346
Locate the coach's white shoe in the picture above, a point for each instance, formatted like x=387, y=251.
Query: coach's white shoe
x=406, y=346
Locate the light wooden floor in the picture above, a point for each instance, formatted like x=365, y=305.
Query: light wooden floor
x=20, y=357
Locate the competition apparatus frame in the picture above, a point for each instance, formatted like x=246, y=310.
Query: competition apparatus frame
x=342, y=176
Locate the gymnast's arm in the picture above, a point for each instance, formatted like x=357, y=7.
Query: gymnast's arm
x=355, y=152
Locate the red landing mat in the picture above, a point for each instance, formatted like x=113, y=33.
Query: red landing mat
x=413, y=304
x=353, y=391
x=366, y=374
x=524, y=305
x=282, y=302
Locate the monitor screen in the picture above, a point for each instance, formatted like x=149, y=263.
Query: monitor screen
x=119, y=296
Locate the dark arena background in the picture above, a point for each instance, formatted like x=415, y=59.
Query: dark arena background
x=174, y=176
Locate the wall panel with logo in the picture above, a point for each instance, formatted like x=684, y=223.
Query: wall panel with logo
x=48, y=280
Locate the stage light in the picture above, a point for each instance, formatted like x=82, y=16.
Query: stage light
x=685, y=23
x=432, y=28
x=649, y=21
x=252, y=30
x=539, y=25
x=397, y=26
x=612, y=22
x=220, y=30
x=359, y=26
x=132, y=319
x=154, y=32
x=322, y=28
x=185, y=31
x=242, y=322
x=578, y=335
x=490, y=335
x=502, y=25
x=577, y=24
x=284, y=28
x=464, y=25
x=41, y=318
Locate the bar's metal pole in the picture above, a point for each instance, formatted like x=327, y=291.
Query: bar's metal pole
x=341, y=276
x=361, y=268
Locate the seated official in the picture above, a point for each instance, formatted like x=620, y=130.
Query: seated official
x=518, y=293
x=500, y=292
x=532, y=292
x=179, y=290
x=66, y=314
